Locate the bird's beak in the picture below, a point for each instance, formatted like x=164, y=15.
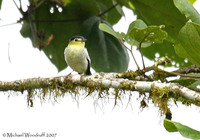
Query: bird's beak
x=84, y=40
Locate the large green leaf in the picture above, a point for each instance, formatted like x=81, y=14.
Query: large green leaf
x=160, y=12
x=150, y=34
x=137, y=24
x=156, y=12
x=50, y=20
x=138, y=33
x=163, y=49
x=104, y=27
x=188, y=43
x=188, y=10
x=62, y=25
x=185, y=131
x=106, y=52
x=129, y=38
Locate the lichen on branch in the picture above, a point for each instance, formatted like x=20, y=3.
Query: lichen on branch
x=159, y=93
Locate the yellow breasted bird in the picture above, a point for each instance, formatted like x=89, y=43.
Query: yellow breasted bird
x=76, y=55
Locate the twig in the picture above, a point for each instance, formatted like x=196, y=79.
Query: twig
x=169, y=73
x=141, y=55
x=140, y=47
x=179, y=74
x=106, y=11
x=9, y=24
x=39, y=4
x=35, y=38
x=16, y=5
x=20, y=4
x=60, y=21
x=130, y=50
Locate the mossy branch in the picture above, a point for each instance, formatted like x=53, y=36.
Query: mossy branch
x=102, y=81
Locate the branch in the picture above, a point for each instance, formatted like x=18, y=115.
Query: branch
x=183, y=72
x=101, y=81
x=190, y=69
x=108, y=10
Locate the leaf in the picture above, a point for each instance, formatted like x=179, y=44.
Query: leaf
x=123, y=2
x=188, y=43
x=192, y=1
x=150, y=34
x=165, y=49
x=191, y=83
x=138, y=32
x=188, y=10
x=106, y=52
x=186, y=82
x=154, y=12
x=137, y=24
x=119, y=8
x=62, y=25
x=194, y=86
x=104, y=27
x=185, y=131
x=114, y=14
x=169, y=126
x=26, y=30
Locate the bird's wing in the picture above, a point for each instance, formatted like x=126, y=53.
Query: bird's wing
x=88, y=72
x=87, y=55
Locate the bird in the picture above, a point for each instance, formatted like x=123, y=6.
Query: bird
x=76, y=55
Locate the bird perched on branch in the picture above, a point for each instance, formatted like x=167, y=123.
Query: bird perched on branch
x=76, y=55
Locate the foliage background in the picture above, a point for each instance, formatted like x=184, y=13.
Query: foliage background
x=50, y=23
x=24, y=61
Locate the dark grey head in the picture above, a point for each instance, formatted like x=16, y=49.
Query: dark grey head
x=78, y=38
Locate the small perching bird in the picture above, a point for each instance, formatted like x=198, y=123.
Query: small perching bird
x=76, y=55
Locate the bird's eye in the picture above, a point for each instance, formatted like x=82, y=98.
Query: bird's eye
x=75, y=40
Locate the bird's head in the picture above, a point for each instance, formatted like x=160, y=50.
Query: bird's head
x=78, y=41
